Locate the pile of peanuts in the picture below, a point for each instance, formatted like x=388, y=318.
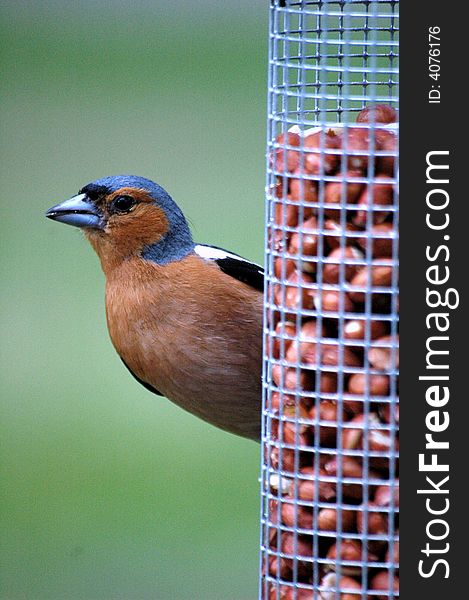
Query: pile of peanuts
x=334, y=412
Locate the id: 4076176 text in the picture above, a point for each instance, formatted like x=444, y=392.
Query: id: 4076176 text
x=434, y=64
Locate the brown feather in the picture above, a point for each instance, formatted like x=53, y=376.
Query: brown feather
x=125, y=235
x=192, y=332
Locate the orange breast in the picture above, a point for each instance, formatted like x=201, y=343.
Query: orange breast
x=195, y=334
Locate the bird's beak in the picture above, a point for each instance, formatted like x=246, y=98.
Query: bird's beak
x=78, y=211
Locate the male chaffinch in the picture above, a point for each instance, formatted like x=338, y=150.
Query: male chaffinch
x=185, y=318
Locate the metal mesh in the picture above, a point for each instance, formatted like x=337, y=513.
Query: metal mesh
x=330, y=414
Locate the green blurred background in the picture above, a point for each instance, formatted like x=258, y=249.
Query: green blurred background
x=108, y=492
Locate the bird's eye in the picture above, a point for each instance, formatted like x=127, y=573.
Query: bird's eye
x=123, y=204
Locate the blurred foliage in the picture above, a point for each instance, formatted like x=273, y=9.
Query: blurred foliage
x=109, y=492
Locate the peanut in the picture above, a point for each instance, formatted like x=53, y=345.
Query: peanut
x=342, y=192
x=350, y=551
x=378, y=194
x=301, y=547
x=324, y=355
x=280, y=341
x=307, y=487
x=332, y=271
x=278, y=401
x=284, y=267
x=303, y=190
x=326, y=411
x=284, y=460
x=333, y=301
x=327, y=381
x=377, y=113
x=381, y=247
x=383, y=581
x=395, y=555
x=378, y=385
x=385, y=412
x=386, y=141
x=338, y=235
x=328, y=519
x=292, y=156
x=316, y=156
x=356, y=329
x=306, y=243
x=375, y=522
x=382, y=355
x=286, y=213
x=296, y=295
x=290, y=593
x=280, y=567
x=290, y=379
x=367, y=278
x=295, y=432
x=356, y=145
x=294, y=515
x=351, y=469
x=329, y=582
x=384, y=493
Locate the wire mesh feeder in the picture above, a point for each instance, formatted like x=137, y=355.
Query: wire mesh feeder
x=330, y=467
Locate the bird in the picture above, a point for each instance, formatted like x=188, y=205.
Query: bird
x=185, y=318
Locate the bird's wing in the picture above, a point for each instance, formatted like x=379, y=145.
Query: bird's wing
x=146, y=385
x=234, y=265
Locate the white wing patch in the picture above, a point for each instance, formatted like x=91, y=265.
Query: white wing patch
x=233, y=265
x=212, y=253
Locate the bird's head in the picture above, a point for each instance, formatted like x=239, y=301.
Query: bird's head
x=125, y=216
